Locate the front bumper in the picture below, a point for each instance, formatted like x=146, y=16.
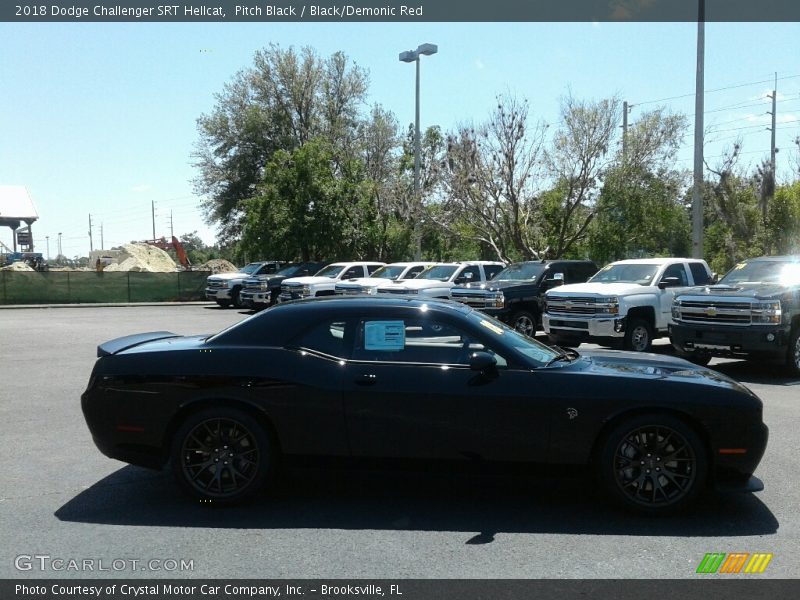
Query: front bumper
x=246, y=297
x=584, y=327
x=764, y=340
x=218, y=294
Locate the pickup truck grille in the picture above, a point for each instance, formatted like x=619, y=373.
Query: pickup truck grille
x=252, y=285
x=349, y=290
x=567, y=305
x=393, y=291
x=716, y=311
x=475, y=299
x=216, y=283
x=291, y=287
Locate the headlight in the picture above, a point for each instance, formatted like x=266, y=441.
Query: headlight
x=767, y=312
x=370, y=290
x=306, y=290
x=264, y=286
x=608, y=305
x=499, y=300
x=676, y=312
x=413, y=291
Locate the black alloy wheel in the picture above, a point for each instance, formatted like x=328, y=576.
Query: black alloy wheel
x=638, y=336
x=221, y=455
x=524, y=322
x=654, y=464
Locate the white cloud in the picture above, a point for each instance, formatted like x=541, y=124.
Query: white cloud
x=141, y=188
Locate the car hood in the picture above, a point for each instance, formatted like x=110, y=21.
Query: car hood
x=365, y=282
x=494, y=286
x=747, y=290
x=600, y=289
x=654, y=366
x=420, y=284
x=229, y=276
x=308, y=280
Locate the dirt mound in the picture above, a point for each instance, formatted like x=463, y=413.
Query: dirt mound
x=18, y=266
x=143, y=257
x=218, y=265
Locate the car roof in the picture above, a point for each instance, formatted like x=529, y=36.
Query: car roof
x=654, y=261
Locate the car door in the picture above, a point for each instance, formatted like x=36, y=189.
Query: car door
x=409, y=394
x=666, y=295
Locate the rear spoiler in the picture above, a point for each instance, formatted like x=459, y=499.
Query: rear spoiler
x=129, y=341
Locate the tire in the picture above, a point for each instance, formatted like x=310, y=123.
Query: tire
x=559, y=340
x=224, y=303
x=653, y=464
x=221, y=456
x=793, y=352
x=697, y=357
x=524, y=322
x=638, y=336
x=273, y=297
x=236, y=301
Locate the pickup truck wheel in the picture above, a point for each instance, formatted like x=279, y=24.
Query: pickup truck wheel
x=524, y=322
x=793, y=352
x=697, y=357
x=638, y=336
x=224, y=303
x=273, y=297
x=654, y=464
x=235, y=299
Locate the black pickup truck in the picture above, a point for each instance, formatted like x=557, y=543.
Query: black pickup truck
x=753, y=312
x=262, y=291
x=516, y=294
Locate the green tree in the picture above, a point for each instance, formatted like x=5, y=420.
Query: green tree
x=783, y=220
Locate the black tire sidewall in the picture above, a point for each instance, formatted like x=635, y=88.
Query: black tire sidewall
x=632, y=325
x=605, y=462
x=524, y=313
x=261, y=436
x=791, y=365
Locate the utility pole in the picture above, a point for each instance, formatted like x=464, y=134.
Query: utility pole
x=697, y=191
x=47, y=238
x=171, y=228
x=774, y=113
x=102, y=246
x=59, y=244
x=626, y=109
x=91, y=248
x=153, y=208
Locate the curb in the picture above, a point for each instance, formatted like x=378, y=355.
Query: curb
x=105, y=305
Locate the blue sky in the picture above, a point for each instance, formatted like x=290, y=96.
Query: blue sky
x=100, y=118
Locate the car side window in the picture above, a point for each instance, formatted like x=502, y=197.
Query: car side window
x=466, y=278
x=413, y=272
x=353, y=272
x=699, y=274
x=676, y=270
x=417, y=340
x=327, y=338
x=492, y=270
x=372, y=268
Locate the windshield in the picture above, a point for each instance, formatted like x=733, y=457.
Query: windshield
x=763, y=271
x=640, y=273
x=289, y=270
x=331, y=271
x=440, y=272
x=251, y=268
x=536, y=351
x=520, y=271
x=389, y=272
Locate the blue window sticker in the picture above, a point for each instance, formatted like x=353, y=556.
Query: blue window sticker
x=384, y=335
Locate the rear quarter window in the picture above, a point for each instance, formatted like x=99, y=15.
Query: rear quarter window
x=699, y=274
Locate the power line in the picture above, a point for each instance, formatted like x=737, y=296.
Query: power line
x=720, y=89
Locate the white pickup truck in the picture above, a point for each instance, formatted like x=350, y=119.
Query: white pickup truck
x=437, y=281
x=628, y=301
x=324, y=282
x=397, y=272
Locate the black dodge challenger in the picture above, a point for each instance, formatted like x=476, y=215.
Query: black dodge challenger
x=395, y=378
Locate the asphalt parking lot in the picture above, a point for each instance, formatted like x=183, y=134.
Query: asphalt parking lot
x=59, y=497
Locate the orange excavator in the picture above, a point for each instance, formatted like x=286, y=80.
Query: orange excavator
x=174, y=244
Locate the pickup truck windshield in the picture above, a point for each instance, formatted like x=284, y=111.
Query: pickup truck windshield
x=389, y=272
x=520, y=272
x=331, y=271
x=763, y=271
x=627, y=273
x=251, y=268
x=440, y=272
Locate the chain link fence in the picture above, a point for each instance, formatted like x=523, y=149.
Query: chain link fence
x=73, y=287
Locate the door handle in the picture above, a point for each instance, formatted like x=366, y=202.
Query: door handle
x=367, y=379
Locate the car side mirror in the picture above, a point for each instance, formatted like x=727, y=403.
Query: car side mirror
x=669, y=282
x=714, y=277
x=482, y=362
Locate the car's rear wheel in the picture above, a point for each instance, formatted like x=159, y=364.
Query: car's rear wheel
x=221, y=455
x=224, y=303
x=524, y=322
x=638, y=336
x=698, y=357
x=235, y=298
x=793, y=352
x=653, y=464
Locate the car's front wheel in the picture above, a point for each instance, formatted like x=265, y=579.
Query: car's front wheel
x=638, y=336
x=653, y=464
x=221, y=455
x=793, y=352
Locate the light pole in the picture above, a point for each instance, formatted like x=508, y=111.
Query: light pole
x=47, y=237
x=408, y=57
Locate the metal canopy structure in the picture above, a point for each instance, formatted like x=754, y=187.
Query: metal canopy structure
x=16, y=208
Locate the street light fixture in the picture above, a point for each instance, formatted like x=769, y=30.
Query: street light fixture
x=410, y=56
